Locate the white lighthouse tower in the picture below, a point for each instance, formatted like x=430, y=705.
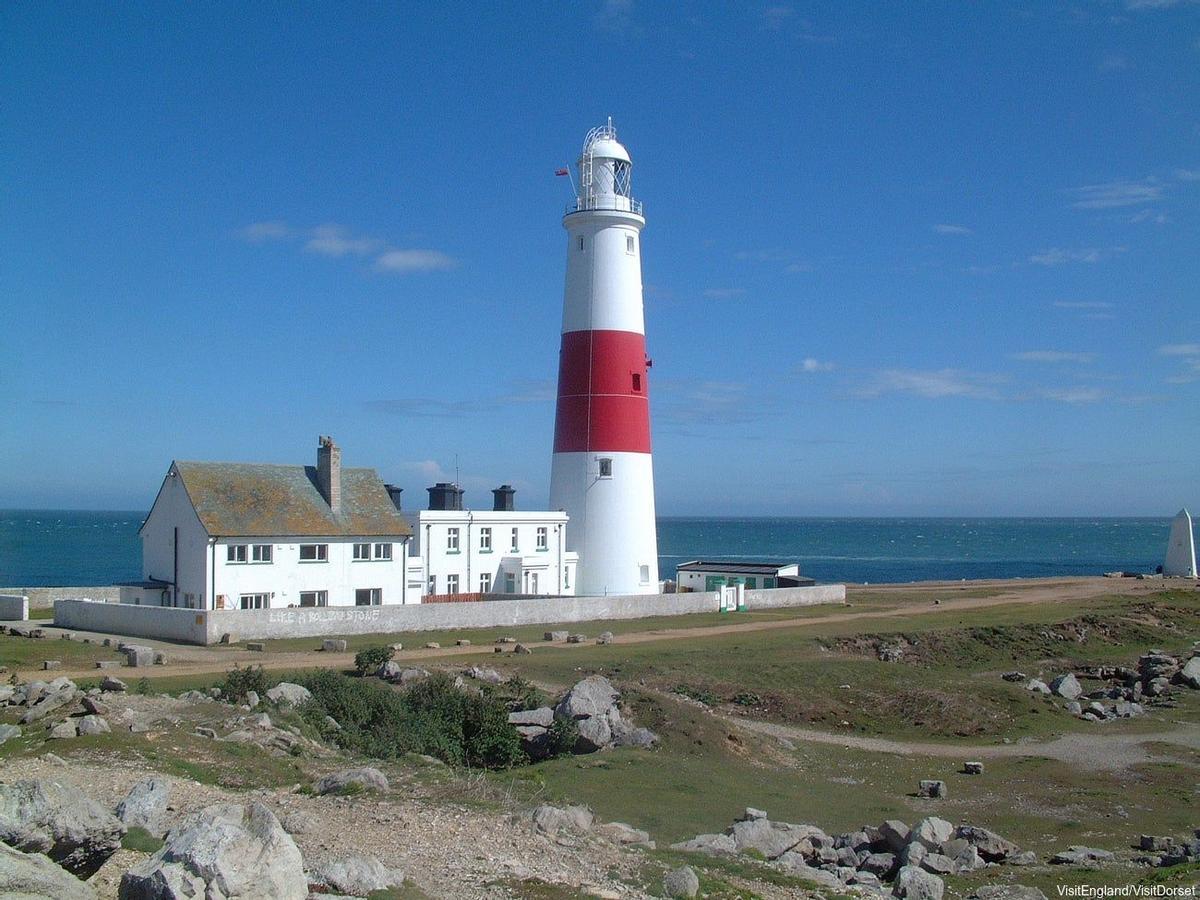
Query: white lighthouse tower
x=602, y=474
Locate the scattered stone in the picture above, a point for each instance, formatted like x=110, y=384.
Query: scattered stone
x=1088, y=857
x=9, y=731
x=551, y=820
x=593, y=696
x=917, y=884
x=1037, y=686
x=932, y=789
x=543, y=717
x=1066, y=686
x=521, y=648
x=620, y=833
x=481, y=673
x=30, y=876
x=556, y=636
x=895, y=834
x=411, y=674
x=938, y=864
x=606, y=637
x=716, y=844
x=333, y=645
x=749, y=814
x=397, y=647
x=576, y=638
x=51, y=664
x=137, y=655
x=388, y=671
x=108, y=664
x=881, y=865
x=990, y=845
x=145, y=806
x=932, y=832
x=112, y=684
x=1190, y=673
x=366, y=779
x=56, y=819
x=432, y=645
x=681, y=882
x=256, y=646
x=93, y=706
x=1022, y=858
x=972, y=768
x=93, y=725
x=462, y=642
x=506, y=640
x=226, y=850
x=252, y=699
x=288, y=694
x=356, y=876
x=332, y=724
x=63, y=730
x=206, y=732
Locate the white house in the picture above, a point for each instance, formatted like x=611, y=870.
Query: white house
x=497, y=551
x=710, y=575
x=255, y=536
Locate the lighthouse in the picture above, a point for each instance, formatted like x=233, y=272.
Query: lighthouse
x=602, y=475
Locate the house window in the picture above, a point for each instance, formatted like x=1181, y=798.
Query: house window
x=516, y=544
x=255, y=601
x=261, y=553
x=485, y=540
x=751, y=583
x=362, y=552
x=451, y=540
x=637, y=382
x=235, y=553
x=383, y=551
x=581, y=243
x=629, y=246
x=510, y=583
x=431, y=588
x=368, y=597
x=314, y=553
x=542, y=538
x=314, y=598
x=485, y=582
x=451, y=584
x=644, y=574
x=605, y=467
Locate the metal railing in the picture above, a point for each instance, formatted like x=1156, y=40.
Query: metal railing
x=635, y=206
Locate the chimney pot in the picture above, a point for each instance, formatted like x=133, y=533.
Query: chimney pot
x=445, y=496
x=329, y=473
x=502, y=498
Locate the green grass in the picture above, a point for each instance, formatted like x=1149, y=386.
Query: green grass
x=141, y=840
x=41, y=612
x=21, y=653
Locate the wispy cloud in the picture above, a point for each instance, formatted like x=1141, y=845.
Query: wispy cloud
x=1152, y=216
x=337, y=241
x=724, y=293
x=1180, y=350
x=414, y=261
x=1114, y=62
x=334, y=240
x=775, y=17
x=952, y=229
x=1189, y=355
x=614, y=15
x=1058, y=256
x=793, y=268
x=259, y=232
x=1114, y=194
x=936, y=384
x=811, y=365
x=1188, y=174
x=1072, y=394
x=1154, y=4
x=1053, y=356
x=1083, y=304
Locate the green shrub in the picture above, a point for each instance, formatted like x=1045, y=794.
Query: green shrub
x=143, y=686
x=371, y=658
x=520, y=694
x=238, y=682
x=563, y=735
x=747, y=698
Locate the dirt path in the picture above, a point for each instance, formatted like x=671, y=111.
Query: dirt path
x=190, y=660
x=1100, y=752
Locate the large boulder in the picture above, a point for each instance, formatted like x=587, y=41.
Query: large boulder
x=56, y=819
x=592, y=697
x=713, y=844
x=990, y=845
x=31, y=876
x=771, y=839
x=1086, y=857
x=552, y=819
x=356, y=876
x=932, y=832
x=226, y=851
x=895, y=834
x=145, y=806
x=288, y=694
x=917, y=884
x=1190, y=673
x=1066, y=686
x=542, y=717
x=621, y=833
x=681, y=882
x=349, y=781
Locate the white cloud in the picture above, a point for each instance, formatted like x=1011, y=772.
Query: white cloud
x=937, y=384
x=952, y=229
x=1180, y=350
x=776, y=16
x=1114, y=62
x=1153, y=4
x=1149, y=215
x=1083, y=304
x=414, y=261
x=1114, y=194
x=614, y=15
x=334, y=240
x=1072, y=394
x=793, y=268
x=1057, y=256
x=1188, y=174
x=809, y=364
x=724, y=293
x=258, y=232
x=1053, y=356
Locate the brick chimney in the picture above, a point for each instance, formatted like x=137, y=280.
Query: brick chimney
x=329, y=472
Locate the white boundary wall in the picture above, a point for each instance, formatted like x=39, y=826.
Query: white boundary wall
x=209, y=626
x=14, y=608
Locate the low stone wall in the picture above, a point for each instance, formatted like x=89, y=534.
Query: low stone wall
x=187, y=626
x=44, y=597
x=14, y=608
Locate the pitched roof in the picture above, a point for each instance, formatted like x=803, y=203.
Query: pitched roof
x=259, y=500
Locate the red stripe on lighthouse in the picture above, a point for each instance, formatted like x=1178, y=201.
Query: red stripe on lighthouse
x=603, y=399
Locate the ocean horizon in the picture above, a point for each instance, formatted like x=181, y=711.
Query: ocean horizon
x=52, y=548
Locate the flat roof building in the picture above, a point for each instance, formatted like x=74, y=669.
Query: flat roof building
x=710, y=575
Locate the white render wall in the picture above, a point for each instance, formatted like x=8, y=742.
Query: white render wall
x=553, y=567
x=286, y=576
x=613, y=519
x=603, y=289
x=173, y=509
x=1181, y=547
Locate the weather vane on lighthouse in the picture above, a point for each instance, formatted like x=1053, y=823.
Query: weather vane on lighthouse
x=602, y=474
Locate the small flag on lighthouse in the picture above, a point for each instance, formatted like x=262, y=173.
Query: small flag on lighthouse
x=560, y=171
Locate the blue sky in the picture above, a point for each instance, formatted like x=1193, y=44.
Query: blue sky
x=901, y=259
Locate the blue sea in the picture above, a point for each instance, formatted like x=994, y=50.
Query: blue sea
x=43, y=548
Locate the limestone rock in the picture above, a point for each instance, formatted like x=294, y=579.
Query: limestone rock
x=594, y=696
x=227, y=851
x=972, y=768
x=543, y=717
x=990, y=845
x=366, y=779
x=932, y=789
x=553, y=819
x=880, y=865
x=31, y=876
x=620, y=833
x=716, y=844
x=252, y=699
x=681, y=882
x=1190, y=673
x=1007, y=892
x=606, y=637
x=1088, y=857
x=288, y=694
x=56, y=819
x=389, y=671
x=482, y=673
x=917, y=884
x=771, y=839
x=1066, y=686
x=356, y=876
x=932, y=832
x=112, y=684
x=1037, y=686
x=9, y=731
x=145, y=806
x=895, y=834
x=333, y=645
x=557, y=636
x=938, y=864
x=93, y=725
x=63, y=730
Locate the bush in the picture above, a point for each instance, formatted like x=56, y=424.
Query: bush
x=564, y=733
x=747, y=698
x=238, y=682
x=371, y=658
x=518, y=694
x=432, y=717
